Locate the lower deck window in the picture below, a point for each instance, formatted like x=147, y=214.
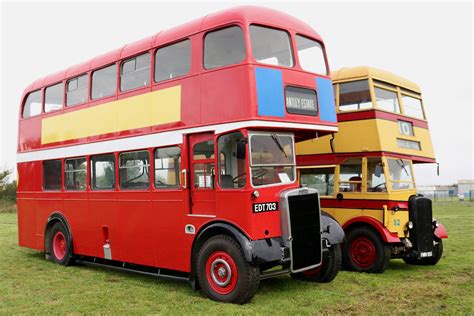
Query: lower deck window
x=350, y=175
x=52, y=175
x=134, y=170
x=167, y=167
x=103, y=172
x=321, y=179
x=75, y=174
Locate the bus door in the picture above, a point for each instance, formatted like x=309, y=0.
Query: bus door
x=202, y=171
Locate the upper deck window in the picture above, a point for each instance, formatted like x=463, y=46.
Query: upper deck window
x=32, y=104
x=224, y=47
x=173, y=61
x=135, y=72
x=53, y=97
x=311, y=55
x=354, y=95
x=76, y=90
x=387, y=100
x=412, y=106
x=104, y=82
x=271, y=46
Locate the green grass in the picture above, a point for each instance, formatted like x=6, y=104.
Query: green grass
x=30, y=284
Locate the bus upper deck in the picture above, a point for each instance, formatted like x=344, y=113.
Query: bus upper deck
x=386, y=110
x=249, y=67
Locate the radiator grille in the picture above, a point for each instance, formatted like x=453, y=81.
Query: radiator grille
x=305, y=230
x=422, y=217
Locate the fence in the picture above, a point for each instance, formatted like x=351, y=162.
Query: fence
x=448, y=195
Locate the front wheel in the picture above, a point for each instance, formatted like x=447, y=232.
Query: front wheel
x=223, y=272
x=328, y=269
x=365, y=251
x=429, y=261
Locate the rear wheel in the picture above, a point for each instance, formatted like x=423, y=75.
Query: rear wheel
x=429, y=261
x=59, y=245
x=223, y=272
x=328, y=269
x=365, y=251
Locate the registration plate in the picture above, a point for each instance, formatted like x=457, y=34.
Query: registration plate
x=426, y=254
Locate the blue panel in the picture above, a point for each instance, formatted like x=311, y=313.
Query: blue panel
x=327, y=108
x=270, y=92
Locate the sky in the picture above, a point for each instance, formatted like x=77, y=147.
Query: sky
x=430, y=43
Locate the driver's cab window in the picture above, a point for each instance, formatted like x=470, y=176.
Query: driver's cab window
x=203, y=156
x=350, y=175
x=321, y=179
x=375, y=175
x=232, y=166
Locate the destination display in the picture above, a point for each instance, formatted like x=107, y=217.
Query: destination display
x=301, y=101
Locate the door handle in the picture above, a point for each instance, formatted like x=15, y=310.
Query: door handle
x=184, y=174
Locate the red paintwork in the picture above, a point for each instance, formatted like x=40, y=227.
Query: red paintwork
x=147, y=226
x=441, y=231
x=362, y=252
x=59, y=245
x=332, y=159
x=214, y=270
x=386, y=235
x=363, y=204
x=378, y=114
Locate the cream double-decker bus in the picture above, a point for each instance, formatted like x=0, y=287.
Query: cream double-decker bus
x=364, y=172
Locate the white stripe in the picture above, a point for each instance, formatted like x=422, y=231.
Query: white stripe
x=154, y=140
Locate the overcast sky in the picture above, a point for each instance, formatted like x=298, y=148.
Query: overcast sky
x=428, y=43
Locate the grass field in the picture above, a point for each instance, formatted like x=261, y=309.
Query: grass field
x=30, y=284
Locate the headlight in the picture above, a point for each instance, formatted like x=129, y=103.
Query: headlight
x=410, y=225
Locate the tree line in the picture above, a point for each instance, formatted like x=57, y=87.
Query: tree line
x=7, y=188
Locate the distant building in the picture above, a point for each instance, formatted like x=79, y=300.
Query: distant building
x=466, y=187
x=463, y=187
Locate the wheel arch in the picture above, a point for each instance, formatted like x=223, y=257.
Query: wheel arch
x=374, y=224
x=214, y=229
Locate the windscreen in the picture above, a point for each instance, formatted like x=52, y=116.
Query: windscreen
x=272, y=159
x=400, y=174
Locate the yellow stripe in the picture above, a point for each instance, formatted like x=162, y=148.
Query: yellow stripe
x=149, y=109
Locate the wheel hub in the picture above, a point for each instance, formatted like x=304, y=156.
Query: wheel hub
x=221, y=272
x=363, y=252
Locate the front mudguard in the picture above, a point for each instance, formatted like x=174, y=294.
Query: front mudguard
x=331, y=231
x=440, y=231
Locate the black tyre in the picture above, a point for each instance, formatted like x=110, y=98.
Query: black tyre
x=223, y=272
x=430, y=261
x=365, y=251
x=59, y=245
x=327, y=271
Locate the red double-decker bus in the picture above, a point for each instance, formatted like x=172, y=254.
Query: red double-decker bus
x=174, y=156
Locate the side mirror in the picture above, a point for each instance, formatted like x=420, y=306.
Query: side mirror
x=241, y=150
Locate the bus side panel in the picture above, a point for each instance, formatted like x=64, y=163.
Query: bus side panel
x=77, y=214
x=135, y=226
x=26, y=204
x=47, y=202
x=103, y=223
x=223, y=94
x=172, y=248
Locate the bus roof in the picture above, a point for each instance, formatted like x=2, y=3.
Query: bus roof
x=241, y=14
x=360, y=72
